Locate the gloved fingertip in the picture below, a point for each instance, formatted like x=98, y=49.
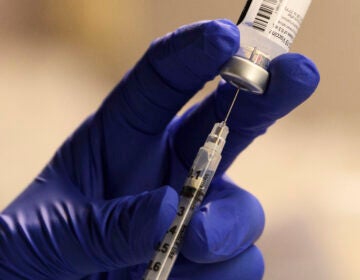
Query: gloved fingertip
x=194, y=54
x=161, y=207
x=145, y=220
x=254, y=264
x=300, y=73
x=221, y=37
x=224, y=227
x=165, y=200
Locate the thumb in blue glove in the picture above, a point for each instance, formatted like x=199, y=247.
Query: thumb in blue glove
x=79, y=236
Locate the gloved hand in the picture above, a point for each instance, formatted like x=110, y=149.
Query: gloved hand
x=105, y=200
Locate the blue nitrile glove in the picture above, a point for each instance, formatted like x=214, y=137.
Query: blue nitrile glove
x=105, y=200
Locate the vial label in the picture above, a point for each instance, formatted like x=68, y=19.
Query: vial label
x=278, y=20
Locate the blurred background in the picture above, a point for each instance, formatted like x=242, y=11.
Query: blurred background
x=59, y=59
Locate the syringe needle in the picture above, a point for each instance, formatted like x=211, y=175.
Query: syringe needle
x=231, y=106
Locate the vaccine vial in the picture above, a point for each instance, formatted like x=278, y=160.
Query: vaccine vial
x=267, y=30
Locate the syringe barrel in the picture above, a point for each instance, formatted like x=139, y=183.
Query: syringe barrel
x=192, y=194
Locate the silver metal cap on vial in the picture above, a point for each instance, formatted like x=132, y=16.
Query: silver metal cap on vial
x=248, y=72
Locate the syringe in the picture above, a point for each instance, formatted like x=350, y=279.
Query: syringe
x=192, y=194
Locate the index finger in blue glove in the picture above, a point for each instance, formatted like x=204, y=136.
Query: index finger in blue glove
x=173, y=69
x=293, y=79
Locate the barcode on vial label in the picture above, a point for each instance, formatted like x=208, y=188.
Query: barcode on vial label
x=264, y=14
